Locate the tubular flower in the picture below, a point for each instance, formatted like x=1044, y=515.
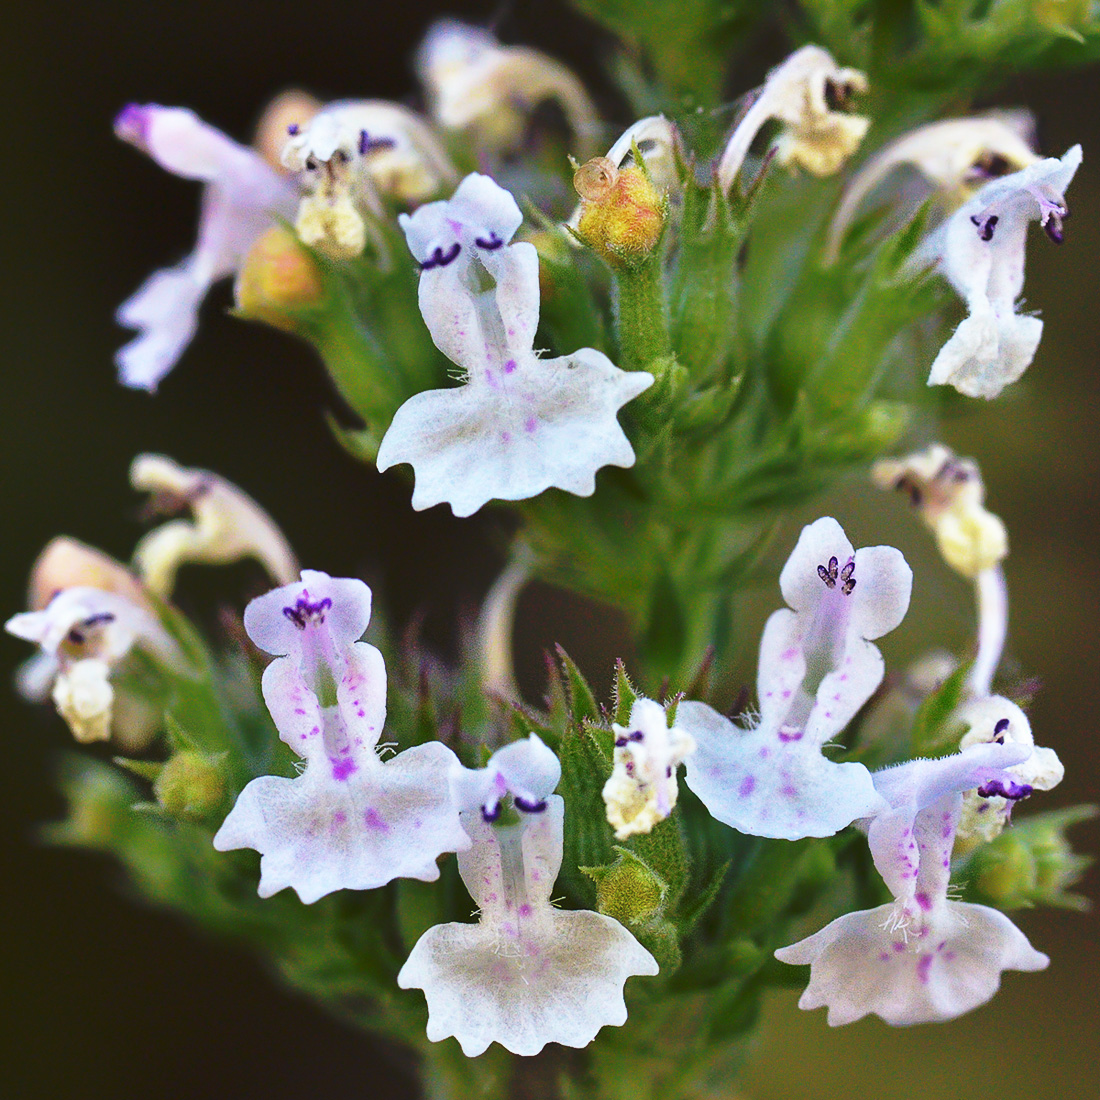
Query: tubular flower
x=817, y=669
x=349, y=821
x=474, y=83
x=642, y=788
x=85, y=634
x=949, y=494
x=980, y=250
x=526, y=974
x=226, y=525
x=987, y=810
x=351, y=153
x=243, y=197
x=808, y=94
x=921, y=958
x=955, y=157
x=519, y=424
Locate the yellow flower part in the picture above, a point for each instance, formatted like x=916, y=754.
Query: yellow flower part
x=622, y=214
x=949, y=494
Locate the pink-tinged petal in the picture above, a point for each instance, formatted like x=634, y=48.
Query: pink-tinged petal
x=884, y=585
x=533, y=425
x=526, y=974
x=782, y=665
x=244, y=196
x=818, y=543
x=342, y=603
x=771, y=782
x=345, y=828
x=859, y=967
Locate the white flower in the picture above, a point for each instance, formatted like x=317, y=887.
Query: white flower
x=349, y=154
x=807, y=94
x=226, y=526
x=349, y=821
x=980, y=249
x=475, y=83
x=642, y=788
x=955, y=157
x=84, y=634
x=519, y=424
x=949, y=494
x=987, y=810
x=922, y=958
x=526, y=974
x=243, y=197
x=817, y=668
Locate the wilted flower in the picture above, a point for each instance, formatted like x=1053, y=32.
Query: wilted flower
x=817, y=668
x=474, y=83
x=808, y=94
x=642, y=788
x=84, y=634
x=519, y=424
x=226, y=525
x=350, y=820
x=526, y=974
x=949, y=495
x=243, y=197
x=350, y=154
x=980, y=250
x=920, y=958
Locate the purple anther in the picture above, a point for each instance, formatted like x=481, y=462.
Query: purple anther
x=1054, y=228
x=98, y=619
x=490, y=815
x=637, y=735
x=1009, y=790
x=829, y=575
x=848, y=581
x=304, y=613
x=367, y=144
x=490, y=245
x=985, y=225
x=620, y=742
x=990, y=166
x=439, y=258
x=294, y=129
x=999, y=731
x=535, y=807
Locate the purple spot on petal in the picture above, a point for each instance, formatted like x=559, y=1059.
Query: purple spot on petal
x=789, y=654
x=898, y=946
x=509, y=366
x=883, y=957
x=299, y=710
x=530, y=424
x=787, y=734
x=525, y=910
x=765, y=752
x=374, y=820
x=787, y=693
x=923, y=966
x=341, y=769
x=506, y=437
x=924, y=901
x=339, y=818
x=748, y=785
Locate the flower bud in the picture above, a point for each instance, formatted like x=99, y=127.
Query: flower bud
x=627, y=889
x=277, y=279
x=622, y=213
x=68, y=563
x=1032, y=863
x=190, y=785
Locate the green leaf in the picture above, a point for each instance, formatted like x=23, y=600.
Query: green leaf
x=934, y=732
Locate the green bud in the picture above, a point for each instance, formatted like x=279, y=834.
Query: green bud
x=1032, y=863
x=628, y=889
x=190, y=785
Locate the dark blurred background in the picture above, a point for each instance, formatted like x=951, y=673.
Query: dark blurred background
x=105, y=998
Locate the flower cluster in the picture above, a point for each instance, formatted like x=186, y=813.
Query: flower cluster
x=642, y=360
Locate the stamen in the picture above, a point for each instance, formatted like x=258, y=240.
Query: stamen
x=528, y=807
x=490, y=245
x=985, y=225
x=1010, y=790
x=491, y=815
x=294, y=129
x=830, y=574
x=439, y=258
x=304, y=613
x=367, y=144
